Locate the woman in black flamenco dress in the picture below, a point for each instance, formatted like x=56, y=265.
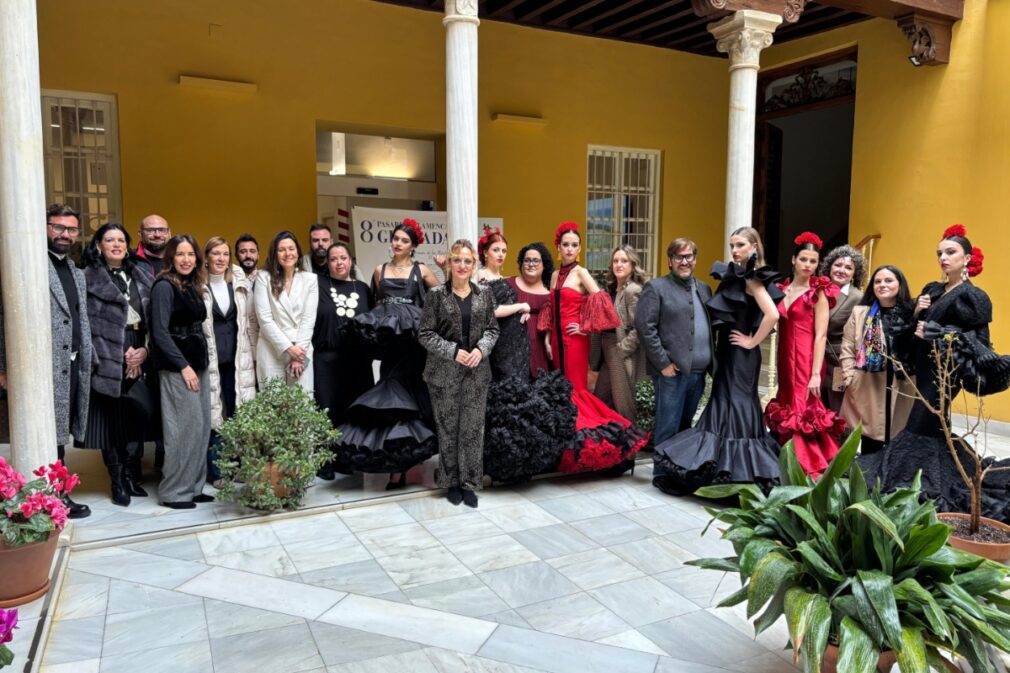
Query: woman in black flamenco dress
x=730, y=442
x=392, y=428
x=529, y=421
x=953, y=306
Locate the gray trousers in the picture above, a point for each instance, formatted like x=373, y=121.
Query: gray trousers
x=185, y=424
x=459, y=423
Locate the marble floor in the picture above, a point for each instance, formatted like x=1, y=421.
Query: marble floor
x=575, y=574
x=566, y=575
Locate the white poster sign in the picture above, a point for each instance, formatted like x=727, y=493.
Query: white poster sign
x=373, y=228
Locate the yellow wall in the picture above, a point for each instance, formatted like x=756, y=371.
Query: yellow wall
x=931, y=147
x=214, y=162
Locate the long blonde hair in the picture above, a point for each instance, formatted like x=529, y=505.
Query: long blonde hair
x=754, y=238
x=212, y=243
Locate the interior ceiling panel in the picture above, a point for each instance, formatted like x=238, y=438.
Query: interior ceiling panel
x=669, y=24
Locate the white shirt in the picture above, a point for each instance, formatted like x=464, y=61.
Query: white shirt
x=219, y=288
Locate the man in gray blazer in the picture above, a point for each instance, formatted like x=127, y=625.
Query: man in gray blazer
x=675, y=331
x=71, y=334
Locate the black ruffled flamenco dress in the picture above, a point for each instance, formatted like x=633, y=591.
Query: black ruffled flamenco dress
x=964, y=312
x=729, y=444
x=392, y=429
x=603, y=438
x=529, y=421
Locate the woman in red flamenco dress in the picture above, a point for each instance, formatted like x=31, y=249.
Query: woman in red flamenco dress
x=603, y=438
x=797, y=412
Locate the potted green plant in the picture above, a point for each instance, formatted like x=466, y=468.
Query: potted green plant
x=272, y=447
x=32, y=517
x=8, y=622
x=867, y=573
x=645, y=405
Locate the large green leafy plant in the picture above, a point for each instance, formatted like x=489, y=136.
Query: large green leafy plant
x=282, y=427
x=868, y=572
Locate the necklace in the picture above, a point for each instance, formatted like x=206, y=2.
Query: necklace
x=347, y=304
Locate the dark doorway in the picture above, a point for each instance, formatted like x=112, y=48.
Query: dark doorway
x=803, y=158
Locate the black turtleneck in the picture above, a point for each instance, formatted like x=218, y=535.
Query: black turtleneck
x=66, y=275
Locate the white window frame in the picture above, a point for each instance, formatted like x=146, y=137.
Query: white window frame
x=606, y=230
x=91, y=217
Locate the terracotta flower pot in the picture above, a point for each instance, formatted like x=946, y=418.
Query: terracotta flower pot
x=830, y=663
x=24, y=571
x=993, y=551
x=274, y=476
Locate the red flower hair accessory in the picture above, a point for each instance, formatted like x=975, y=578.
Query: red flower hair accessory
x=412, y=223
x=484, y=240
x=563, y=229
x=954, y=230
x=975, y=263
x=809, y=237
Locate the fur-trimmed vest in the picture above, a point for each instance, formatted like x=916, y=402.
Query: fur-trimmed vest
x=107, y=311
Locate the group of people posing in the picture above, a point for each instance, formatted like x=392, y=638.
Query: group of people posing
x=492, y=372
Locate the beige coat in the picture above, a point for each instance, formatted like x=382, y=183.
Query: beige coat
x=285, y=321
x=623, y=359
x=245, y=350
x=865, y=392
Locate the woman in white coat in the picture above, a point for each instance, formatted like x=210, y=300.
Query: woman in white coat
x=286, y=304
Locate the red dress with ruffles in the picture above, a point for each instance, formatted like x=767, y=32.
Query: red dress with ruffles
x=603, y=438
x=796, y=413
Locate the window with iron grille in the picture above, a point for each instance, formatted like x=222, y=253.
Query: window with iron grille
x=81, y=144
x=622, y=206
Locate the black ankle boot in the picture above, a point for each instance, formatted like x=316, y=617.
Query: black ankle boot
x=120, y=493
x=454, y=495
x=76, y=510
x=133, y=487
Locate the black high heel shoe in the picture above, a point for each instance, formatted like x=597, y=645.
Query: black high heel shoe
x=399, y=483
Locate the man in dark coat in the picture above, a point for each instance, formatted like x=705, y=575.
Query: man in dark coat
x=675, y=331
x=154, y=235
x=71, y=334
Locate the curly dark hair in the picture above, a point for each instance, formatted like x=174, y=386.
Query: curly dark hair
x=547, y=267
x=858, y=261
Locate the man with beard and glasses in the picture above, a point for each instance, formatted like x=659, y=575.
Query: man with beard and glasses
x=247, y=254
x=320, y=240
x=154, y=235
x=71, y=334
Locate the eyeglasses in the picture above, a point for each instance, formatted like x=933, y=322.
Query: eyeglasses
x=158, y=231
x=683, y=258
x=465, y=261
x=532, y=262
x=60, y=229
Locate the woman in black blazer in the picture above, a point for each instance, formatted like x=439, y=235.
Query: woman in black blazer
x=459, y=331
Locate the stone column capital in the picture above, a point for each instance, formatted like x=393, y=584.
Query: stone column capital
x=461, y=11
x=743, y=35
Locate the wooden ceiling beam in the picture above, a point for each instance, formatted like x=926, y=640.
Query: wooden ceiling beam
x=661, y=21
x=580, y=9
x=616, y=9
x=640, y=15
x=892, y=9
x=501, y=8
x=543, y=7
x=676, y=30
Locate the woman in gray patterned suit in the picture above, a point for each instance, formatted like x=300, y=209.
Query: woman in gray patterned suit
x=459, y=330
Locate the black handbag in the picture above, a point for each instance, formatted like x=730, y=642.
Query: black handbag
x=141, y=399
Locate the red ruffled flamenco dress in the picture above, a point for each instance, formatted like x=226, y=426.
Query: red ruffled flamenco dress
x=603, y=438
x=796, y=413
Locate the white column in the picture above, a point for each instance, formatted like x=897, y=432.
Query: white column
x=461, y=117
x=742, y=36
x=24, y=271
